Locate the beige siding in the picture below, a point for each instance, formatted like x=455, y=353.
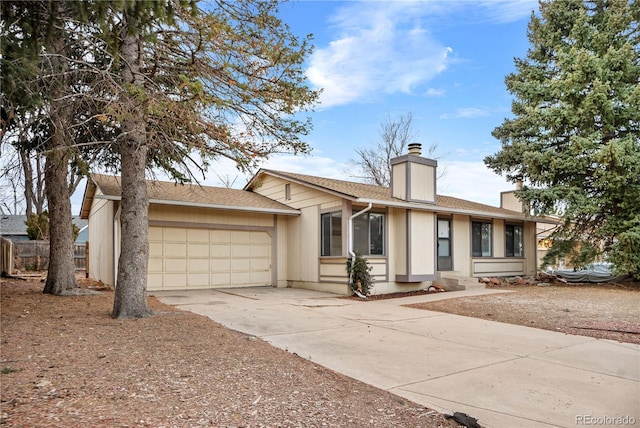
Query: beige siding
x=335, y=269
x=400, y=242
x=309, y=244
x=392, y=250
x=530, y=248
x=509, y=201
x=303, y=246
x=499, y=243
x=282, y=251
x=423, y=184
x=101, y=256
x=399, y=181
x=301, y=196
x=423, y=243
x=193, y=215
x=490, y=266
x=461, y=243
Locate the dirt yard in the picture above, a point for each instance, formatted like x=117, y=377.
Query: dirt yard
x=601, y=311
x=66, y=363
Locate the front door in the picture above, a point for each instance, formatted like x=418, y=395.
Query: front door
x=445, y=261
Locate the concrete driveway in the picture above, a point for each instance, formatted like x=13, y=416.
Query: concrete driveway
x=504, y=375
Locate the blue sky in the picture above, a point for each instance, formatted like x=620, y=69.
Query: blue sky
x=442, y=61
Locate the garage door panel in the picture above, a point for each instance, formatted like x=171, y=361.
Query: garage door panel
x=220, y=236
x=155, y=249
x=260, y=238
x=203, y=258
x=175, y=234
x=220, y=250
x=154, y=281
x=155, y=234
x=240, y=251
x=199, y=266
x=220, y=279
x=155, y=265
x=241, y=278
x=240, y=237
x=175, y=265
x=260, y=251
x=220, y=265
x=259, y=264
x=199, y=250
x=200, y=280
x=172, y=249
x=197, y=235
x=240, y=265
x=261, y=277
x=175, y=280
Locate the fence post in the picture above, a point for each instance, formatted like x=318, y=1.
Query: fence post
x=86, y=259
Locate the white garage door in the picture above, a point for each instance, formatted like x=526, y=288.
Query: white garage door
x=182, y=258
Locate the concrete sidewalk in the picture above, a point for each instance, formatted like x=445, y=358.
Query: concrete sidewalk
x=504, y=375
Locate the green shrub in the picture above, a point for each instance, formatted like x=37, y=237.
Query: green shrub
x=359, y=271
x=38, y=226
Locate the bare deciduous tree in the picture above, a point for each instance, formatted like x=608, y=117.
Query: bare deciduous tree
x=395, y=135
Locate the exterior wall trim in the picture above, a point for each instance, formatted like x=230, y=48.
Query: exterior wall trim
x=291, y=211
x=415, y=278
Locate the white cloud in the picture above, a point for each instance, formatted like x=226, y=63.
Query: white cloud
x=380, y=47
x=472, y=181
x=467, y=113
x=503, y=11
x=435, y=92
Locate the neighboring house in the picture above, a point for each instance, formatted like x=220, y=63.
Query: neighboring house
x=293, y=230
x=13, y=227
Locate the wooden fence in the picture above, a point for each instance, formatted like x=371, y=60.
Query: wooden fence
x=34, y=256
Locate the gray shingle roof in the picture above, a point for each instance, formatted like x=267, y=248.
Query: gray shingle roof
x=163, y=192
x=14, y=225
x=365, y=192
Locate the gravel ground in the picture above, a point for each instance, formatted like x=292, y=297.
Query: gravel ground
x=66, y=363
x=607, y=311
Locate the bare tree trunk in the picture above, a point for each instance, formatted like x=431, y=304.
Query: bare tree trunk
x=27, y=170
x=61, y=273
x=131, y=286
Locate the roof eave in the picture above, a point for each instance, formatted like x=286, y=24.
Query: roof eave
x=440, y=209
x=87, y=198
x=281, y=211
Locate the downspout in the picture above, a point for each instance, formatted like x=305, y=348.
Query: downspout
x=352, y=254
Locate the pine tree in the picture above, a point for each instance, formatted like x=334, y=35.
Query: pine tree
x=575, y=136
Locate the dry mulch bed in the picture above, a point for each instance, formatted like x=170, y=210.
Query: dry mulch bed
x=65, y=362
x=604, y=311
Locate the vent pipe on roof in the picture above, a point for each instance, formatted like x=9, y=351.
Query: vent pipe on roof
x=415, y=149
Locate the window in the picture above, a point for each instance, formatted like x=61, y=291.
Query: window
x=287, y=192
x=514, y=241
x=481, y=239
x=331, y=225
x=368, y=234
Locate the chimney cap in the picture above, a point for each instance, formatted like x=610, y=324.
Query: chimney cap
x=415, y=149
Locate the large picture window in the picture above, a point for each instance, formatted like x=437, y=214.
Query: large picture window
x=514, y=241
x=331, y=224
x=481, y=242
x=368, y=234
